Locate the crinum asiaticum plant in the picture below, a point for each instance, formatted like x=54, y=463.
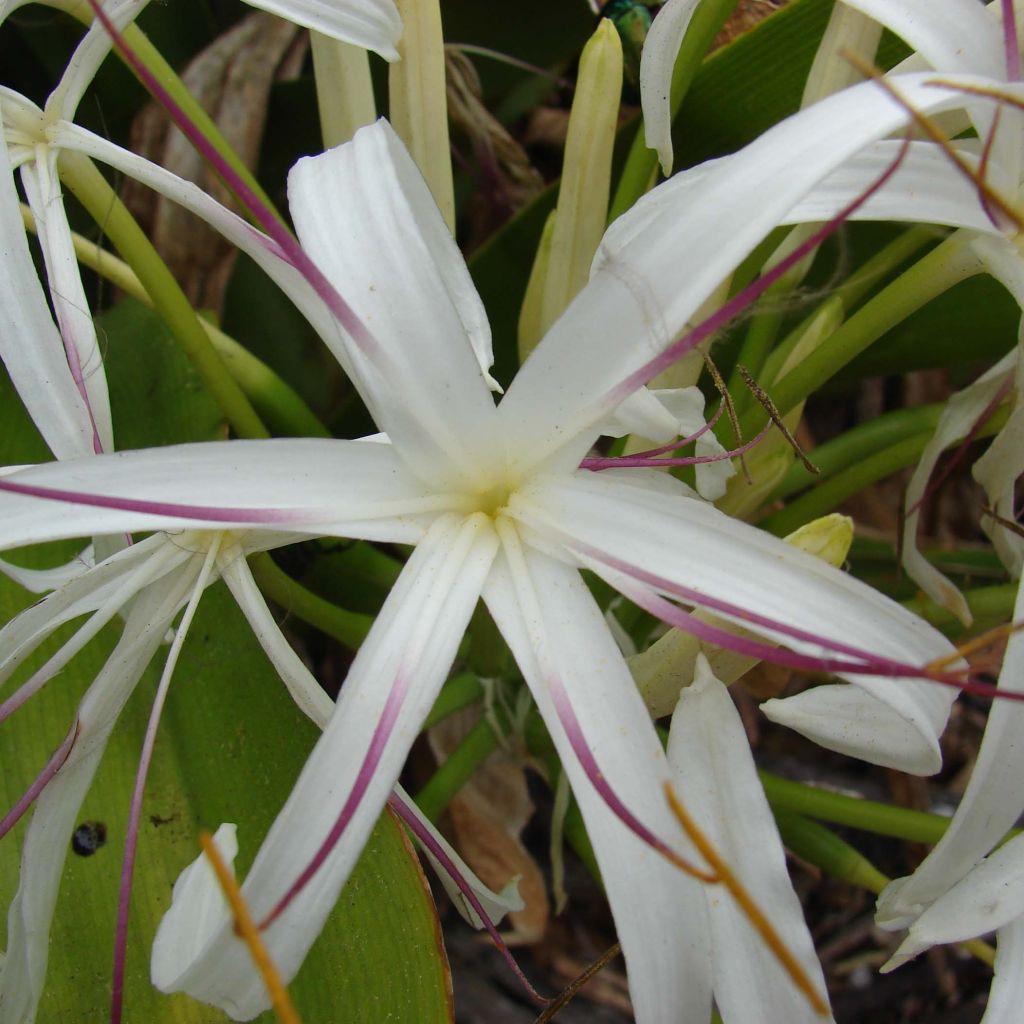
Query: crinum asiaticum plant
x=497, y=507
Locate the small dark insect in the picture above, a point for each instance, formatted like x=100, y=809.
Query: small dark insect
x=88, y=838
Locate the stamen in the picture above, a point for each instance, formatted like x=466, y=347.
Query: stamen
x=641, y=461
x=568, y=993
x=726, y=402
x=245, y=926
x=978, y=643
x=413, y=823
x=775, y=416
x=741, y=300
x=145, y=758
x=381, y=735
x=750, y=909
x=42, y=780
x=157, y=508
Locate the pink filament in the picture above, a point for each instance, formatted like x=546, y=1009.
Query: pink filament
x=42, y=780
x=739, y=302
x=415, y=826
x=157, y=508
x=381, y=735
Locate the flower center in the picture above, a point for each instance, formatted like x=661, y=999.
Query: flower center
x=493, y=500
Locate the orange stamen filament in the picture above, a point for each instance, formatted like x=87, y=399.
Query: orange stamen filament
x=746, y=903
x=246, y=927
x=935, y=133
x=990, y=636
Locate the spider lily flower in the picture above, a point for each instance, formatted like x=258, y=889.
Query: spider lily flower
x=149, y=583
x=497, y=507
x=60, y=374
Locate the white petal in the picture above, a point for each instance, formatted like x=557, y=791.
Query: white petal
x=659, y=912
x=661, y=47
x=958, y=418
x=495, y=905
x=392, y=685
x=989, y=898
x=74, y=317
x=90, y=53
x=39, y=581
x=1007, y=994
x=103, y=590
x=307, y=693
x=348, y=488
x=926, y=188
x=198, y=905
x=717, y=782
x=956, y=36
x=29, y=342
x=46, y=842
x=649, y=282
x=952, y=35
x=234, y=228
x=692, y=544
x=991, y=805
x=366, y=216
x=372, y=24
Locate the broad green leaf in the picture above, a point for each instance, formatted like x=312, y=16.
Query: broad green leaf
x=230, y=747
x=156, y=396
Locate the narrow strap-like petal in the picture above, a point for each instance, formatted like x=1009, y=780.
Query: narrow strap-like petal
x=991, y=805
x=365, y=215
x=67, y=293
x=684, y=546
x=373, y=24
x=661, y=47
x=715, y=777
x=30, y=345
x=45, y=845
x=345, y=782
x=346, y=488
x=569, y=659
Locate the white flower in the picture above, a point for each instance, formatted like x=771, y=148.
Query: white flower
x=59, y=374
x=495, y=503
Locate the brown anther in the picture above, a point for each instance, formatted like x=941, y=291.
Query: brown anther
x=776, y=417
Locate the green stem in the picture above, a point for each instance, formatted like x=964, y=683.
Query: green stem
x=475, y=747
x=460, y=691
x=988, y=605
x=831, y=493
x=869, y=469
x=92, y=190
x=859, y=443
x=867, y=815
x=642, y=163
x=937, y=272
x=277, y=402
x=348, y=628
x=824, y=849
x=190, y=107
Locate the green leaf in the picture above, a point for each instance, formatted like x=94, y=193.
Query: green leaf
x=230, y=747
x=156, y=397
